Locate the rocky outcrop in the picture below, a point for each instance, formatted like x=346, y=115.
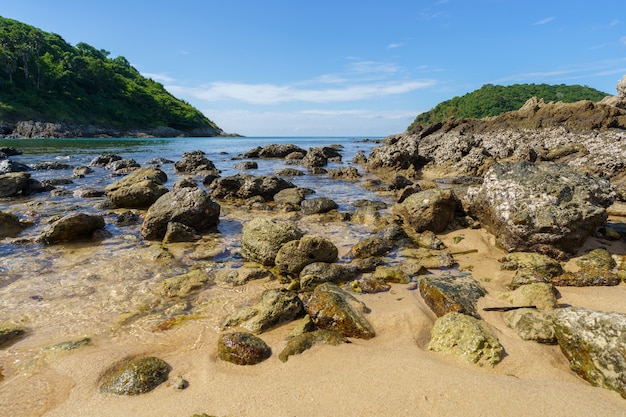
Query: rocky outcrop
x=593, y=342
x=192, y=207
x=43, y=130
x=527, y=206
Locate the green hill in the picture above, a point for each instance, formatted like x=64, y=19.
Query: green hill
x=44, y=78
x=492, y=100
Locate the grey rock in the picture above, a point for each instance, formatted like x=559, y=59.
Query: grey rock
x=104, y=160
x=194, y=162
x=318, y=205
x=72, y=227
x=432, y=209
x=247, y=165
x=530, y=267
x=139, y=189
x=527, y=205
x=399, y=152
x=261, y=239
x=192, y=207
x=13, y=183
x=247, y=186
x=370, y=247
x=293, y=256
x=531, y=324
x=178, y=232
x=7, y=165
x=448, y=293
x=10, y=225
x=593, y=342
x=317, y=273
x=292, y=196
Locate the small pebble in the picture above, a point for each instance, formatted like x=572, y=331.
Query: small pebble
x=179, y=383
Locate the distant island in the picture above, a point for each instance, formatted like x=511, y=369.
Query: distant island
x=49, y=88
x=493, y=100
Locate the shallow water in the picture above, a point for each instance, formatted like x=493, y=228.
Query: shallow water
x=67, y=291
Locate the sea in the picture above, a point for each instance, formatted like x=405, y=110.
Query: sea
x=113, y=284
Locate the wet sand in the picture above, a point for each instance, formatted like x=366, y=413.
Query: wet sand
x=393, y=374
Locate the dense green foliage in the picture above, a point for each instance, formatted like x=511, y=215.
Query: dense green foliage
x=42, y=77
x=492, y=100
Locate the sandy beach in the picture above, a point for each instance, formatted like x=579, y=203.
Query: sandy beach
x=393, y=374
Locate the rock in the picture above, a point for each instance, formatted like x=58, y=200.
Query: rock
x=399, y=152
x=88, y=193
x=302, y=342
x=347, y=173
x=599, y=258
x=531, y=324
x=386, y=274
x=178, y=232
x=13, y=183
x=140, y=189
x=50, y=165
x=293, y=256
x=242, y=348
x=137, y=376
x=359, y=158
x=80, y=171
x=447, y=293
x=432, y=210
x=531, y=267
x=430, y=259
x=192, y=207
x=237, y=276
x=272, y=151
x=71, y=227
x=370, y=286
x=247, y=165
x=276, y=306
x=319, y=156
x=247, y=186
x=7, y=165
x=122, y=164
x=10, y=333
x=317, y=273
x=539, y=294
x=10, y=225
x=195, y=162
x=292, y=196
x=104, y=160
x=466, y=338
x=400, y=182
x=526, y=205
x=593, y=342
x=185, y=284
x=587, y=277
x=290, y=172
x=371, y=246
x=261, y=239
x=429, y=240
x=318, y=205
x=332, y=308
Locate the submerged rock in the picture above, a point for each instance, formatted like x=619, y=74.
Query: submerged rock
x=332, y=308
x=526, y=205
x=304, y=341
x=261, y=239
x=10, y=333
x=447, y=293
x=10, y=225
x=466, y=338
x=594, y=343
x=242, y=348
x=136, y=376
x=72, y=227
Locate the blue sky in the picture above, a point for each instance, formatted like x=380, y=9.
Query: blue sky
x=341, y=68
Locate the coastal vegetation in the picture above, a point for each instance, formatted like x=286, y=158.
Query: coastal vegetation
x=492, y=100
x=44, y=78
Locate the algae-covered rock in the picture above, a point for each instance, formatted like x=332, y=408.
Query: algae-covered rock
x=587, y=277
x=430, y=259
x=531, y=324
x=317, y=205
x=371, y=246
x=466, y=338
x=594, y=342
x=538, y=294
x=530, y=267
x=370, y=285
x=293, y=256
x=319, y=272
x=242, y=348
x=135, y=376
x=276, y=306
x=447, y=293
x=10, y=333
x=332, y=308
x=184, y=284
x=599, y=258
x=387, y=274
x=261, y=239
x=304, y=341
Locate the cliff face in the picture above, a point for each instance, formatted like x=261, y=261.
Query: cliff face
x=33, y=129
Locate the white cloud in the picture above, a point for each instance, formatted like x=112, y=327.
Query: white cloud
x=544, y=21
x=269, y=94
x=369, y=67
x=162, y=78
x=623, y=40
x=394, y=45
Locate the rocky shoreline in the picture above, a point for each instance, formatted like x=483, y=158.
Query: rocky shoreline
x=541, y=198
x=48, y=130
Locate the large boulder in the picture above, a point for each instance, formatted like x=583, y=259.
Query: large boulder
x=192, y=207
x=530, y=206
x=332, y=308
x=13, y=182
x=432, y=209
x=261, y=239
x=594, y=342
x=140, y=189
x=71, y=227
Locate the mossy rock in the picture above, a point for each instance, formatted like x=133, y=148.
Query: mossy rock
x=242, y=348
x=304, y=341
x=137, y=376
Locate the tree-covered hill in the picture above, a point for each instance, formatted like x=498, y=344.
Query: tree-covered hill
x=492, y=100
x=44, y=78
